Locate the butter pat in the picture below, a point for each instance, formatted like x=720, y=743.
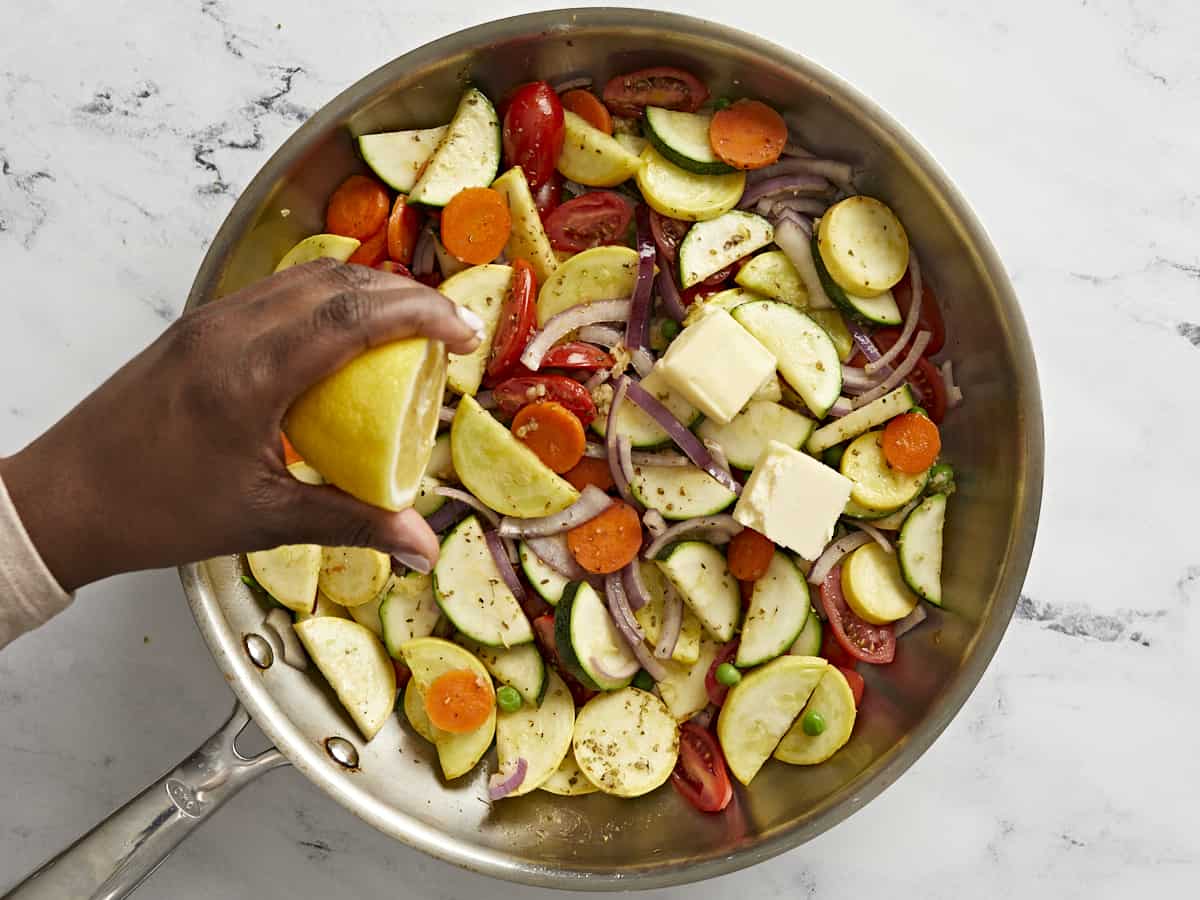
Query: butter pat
x=793, y=499
x=717, y=365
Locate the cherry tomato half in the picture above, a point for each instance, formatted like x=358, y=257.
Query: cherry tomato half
x=925, y=377
x=577, y=355
x=716, y=690
x=517, y=392
x=700, y=775
x=390, y=265
x=533, y=131
x=930, y=317
x=832, y=651
x=667, y=233
x=699, y=292
x=862, y=640
x=543, y=633
x=857, y=685
x=591, y=220
x=518, y=318
x=665, y=86
x=548, y=195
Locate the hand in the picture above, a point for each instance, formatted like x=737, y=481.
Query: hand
x=177, y=457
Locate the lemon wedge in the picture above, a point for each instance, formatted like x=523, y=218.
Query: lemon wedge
x=369, y=428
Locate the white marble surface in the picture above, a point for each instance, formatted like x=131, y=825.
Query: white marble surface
x=126, y=131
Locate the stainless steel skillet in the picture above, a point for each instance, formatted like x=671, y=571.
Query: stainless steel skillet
x=595, y=842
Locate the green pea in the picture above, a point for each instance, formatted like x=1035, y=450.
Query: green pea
x=833, y=455
x=941, y=478
x=728, y=674
x=813, y=723
x=508, y=698
x=670, y=329
x=643, y=680
x=722, y=103
x=920, y=411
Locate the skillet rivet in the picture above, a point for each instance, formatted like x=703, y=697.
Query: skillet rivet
x=342, y=752
x=258, y=648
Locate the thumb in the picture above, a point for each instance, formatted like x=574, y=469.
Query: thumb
x=332, y=518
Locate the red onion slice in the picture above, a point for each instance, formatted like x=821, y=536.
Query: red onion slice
x=797, y=246
x=954, y=394
x=705, y=716
x=857, y=380
x=654, y=522
x=486, y=399
x=863, y=341
x=637, y=330
x=635, y=589
x=471, y=500
x=792, y=148
x=805, y=206
x=502, y=783
x=625, y=458
x=604, y=335
x=878, y=536
x=672, y=624
x=571, y=84
x=838, y=172
x=615, y=674
x=598, y=378
x=668, y=292
x=507, y=572
x=446, y=515
x=784, y=184
x=559, y=326
x=612, y=444
x=911, y=621
x=423, y=253
x=642, y=361
x=718, y=529
x=910, y=321
x=842, y=406
x=446, y=415
x=555, y=553
x=592, y=501
x=899, y=374
x=631, y=631
x=833, y=554
x=686, y=441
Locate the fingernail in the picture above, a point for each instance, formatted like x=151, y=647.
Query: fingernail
x=414, y=561
x=471, y=320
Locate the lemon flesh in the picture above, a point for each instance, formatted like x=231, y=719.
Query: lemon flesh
x=369, y=428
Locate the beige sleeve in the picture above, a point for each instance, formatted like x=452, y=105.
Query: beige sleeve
x=29, y=594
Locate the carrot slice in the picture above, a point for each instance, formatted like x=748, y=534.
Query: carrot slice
x=609, y=541
x=551, y=431
x=590, y=471
x=459, y=701
x=747, y=135
x=289, y=452
x=476, y=225
x=372, y=251
x=358, y=208
x=588, y=107
x=749, y=555
x=404, y=224
x=911, y=443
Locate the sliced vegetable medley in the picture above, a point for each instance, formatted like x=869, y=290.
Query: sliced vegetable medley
x=691, y=481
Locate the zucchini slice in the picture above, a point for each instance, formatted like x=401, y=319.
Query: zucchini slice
x=592, y=157
x=778, y=611
x=427, y=502
x=746, y=437
x=760, y=709
x=568, y=779
x=708, y=247
x=482, y=290
x=920, y=548
x=808, y=643
x=588, y=642
x=804, y=353
x=650, y=616
x=528, y=240
x=683, y=689
x=834, y=700
x=602, y=273
x=468, y=155
x=290, y=574
x=700, y=574
x=500, y=470
x=640, y=427
x=728, y=300
x=874, y=587
x=352, y=576
x=861, y=420
x=408, y=611
x=679, y=492
x=773, y=275
x=541, y=735
x=521, y=668
x=863, y=246
x=681, y=194
x=398, y=157
x=356, y=667
x=471, y=592
x=318, y=246
x=414, y=711
x=877, y=486
x=682, y=137
x=546, y=582
x=429, y=658
x=878, y=310
x=626, y=743
x=835, y=326
x=441, y=461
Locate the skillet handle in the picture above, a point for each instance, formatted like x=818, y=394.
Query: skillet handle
x=116, y=856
